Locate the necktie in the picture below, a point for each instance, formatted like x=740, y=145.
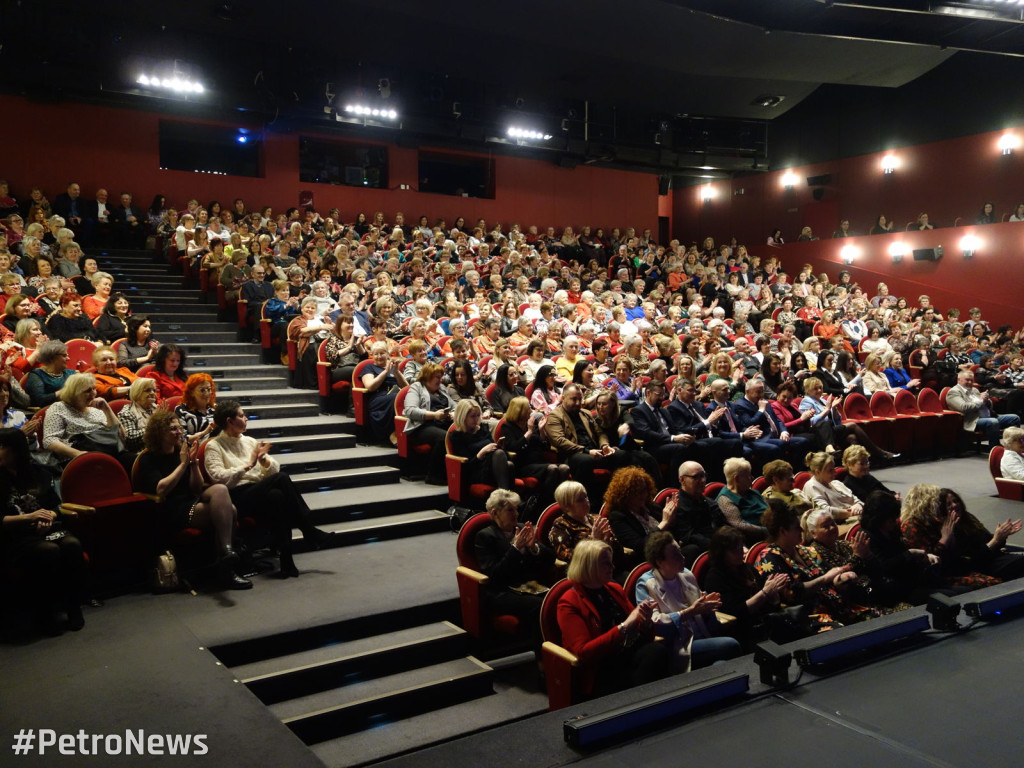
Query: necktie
x=701, y=419
x=728, y=418
x=771, y=423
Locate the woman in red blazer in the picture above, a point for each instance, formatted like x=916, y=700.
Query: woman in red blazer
x=613, y=640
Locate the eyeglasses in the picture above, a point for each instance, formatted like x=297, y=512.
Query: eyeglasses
x=697, y=475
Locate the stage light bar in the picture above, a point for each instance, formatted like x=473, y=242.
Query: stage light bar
x=362, y=110
x=997, y=600
x=827, y=646
x=174, y=83
x=525, y=133
x=588, y=730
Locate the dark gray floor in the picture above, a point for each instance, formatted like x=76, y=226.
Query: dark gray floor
x=138, y=663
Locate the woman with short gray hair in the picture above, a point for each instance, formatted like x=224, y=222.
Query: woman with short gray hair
x=45, y=381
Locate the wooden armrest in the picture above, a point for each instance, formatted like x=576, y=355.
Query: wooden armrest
x=476, y=576
x=153, y=497
x=724, y=618
x=460, y=459
x=360, y=389
x=74, y=510
x=561, y=653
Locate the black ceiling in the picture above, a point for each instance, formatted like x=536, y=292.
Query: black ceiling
x=669, y=86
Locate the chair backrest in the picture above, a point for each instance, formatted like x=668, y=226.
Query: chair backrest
x=448, y=440
x=856, y=407
x=882, y=405
x=760, y=484
x=135, y=472
x=80, y=353
x=854, y=530
x=116, y=345
x=711, y=490
x=633, y=579
x=995, y=458
x=201, y=460
x=118, y=405
x=800, y=480
x=145, y=370
x=465, y=549
x=906, y=404
x=549, y=629
x=663, y=495
x=942, y=398
x=496, y=434
x=489, y=394
x=360, y=369
x=529, y=389
x=321, y=353
x=928, y=401
x=94, y=477
x=171, y=403
x=700, y=567
x=400, y=401
x=755, y=551
x=546, y=521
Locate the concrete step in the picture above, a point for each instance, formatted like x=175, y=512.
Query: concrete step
x=254, y=395
x=229, y=383
x=355, y=477
x=333, y=713
x=219, y=360
x=327, y=459
x=361, y=504
x=391, y=526
x=346, y=663
x=254, y=370
x=271, y=429
x=257, y=410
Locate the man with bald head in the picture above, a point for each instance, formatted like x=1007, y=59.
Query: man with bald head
x=696, y=516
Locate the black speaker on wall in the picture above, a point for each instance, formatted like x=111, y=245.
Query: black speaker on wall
x=819, y=181
x=818, y=193
x=927, y=254
x=664, y=184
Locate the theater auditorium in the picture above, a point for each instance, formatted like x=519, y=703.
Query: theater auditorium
x=428, y=384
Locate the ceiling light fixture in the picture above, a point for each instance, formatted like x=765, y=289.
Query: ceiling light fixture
x=175, y=82
x=1008, y=142
x=361, y=110
x=516, y=132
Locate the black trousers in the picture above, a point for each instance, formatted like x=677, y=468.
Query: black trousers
x=276, y=502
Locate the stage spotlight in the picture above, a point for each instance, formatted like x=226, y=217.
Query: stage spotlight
x=944, y=611
x=859, y=637
x=774, y=663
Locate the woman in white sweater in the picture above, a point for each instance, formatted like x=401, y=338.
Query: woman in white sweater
x=257, y=486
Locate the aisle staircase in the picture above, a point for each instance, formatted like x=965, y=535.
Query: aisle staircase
x=365, y=688
x=343, y=484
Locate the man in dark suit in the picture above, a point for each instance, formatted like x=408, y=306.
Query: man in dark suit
x=774, y=440
x=574, y=434
x=697, y=516
x=70, y=206
x=651, y=424
x=510, y=556
x=126, y=224
x=97, y=218
x=713, y=439
x=255, y=292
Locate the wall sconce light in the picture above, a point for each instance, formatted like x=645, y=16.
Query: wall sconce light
x=789, y=179
x=1008, y=142
x=849, y=253
x=969, y=244
x=707, y=193
x=889, y=164
x=898, y=250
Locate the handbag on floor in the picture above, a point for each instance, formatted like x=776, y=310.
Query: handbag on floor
x=165, y=573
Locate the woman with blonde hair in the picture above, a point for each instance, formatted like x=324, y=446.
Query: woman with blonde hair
x=828, y=493
x=578, y=523
x=134, y=417
x=486, y=462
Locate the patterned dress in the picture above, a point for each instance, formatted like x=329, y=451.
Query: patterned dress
x=957, y=570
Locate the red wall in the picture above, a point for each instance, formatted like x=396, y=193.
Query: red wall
x=946, y=179
x=50, y=146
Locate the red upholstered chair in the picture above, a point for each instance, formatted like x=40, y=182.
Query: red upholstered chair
x=800, y=480
x=489, y=394
x=204, y=282
x=242, y=313
x=80, y=353
x=1005, y=487
x=328, y=390
x=292, y=351
x=406, y=450
x=755, y=552
x=760, y=484
x=476, y=618
x=977, y=436
x=663, y=495
x=360, y=403
x=700, y=567
x=145, y=370
x=854, y=529
x=633, y=579
x=266, y=337
x=562, y=670
x=172, y=256
x=926, y=434
x=903, y=428
x=523, y=484
x=113, y=522
x=951, y=423
x=171, y=403
x=546, y=521
x=711, y=490
x=857, y=410
x=117, y=405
